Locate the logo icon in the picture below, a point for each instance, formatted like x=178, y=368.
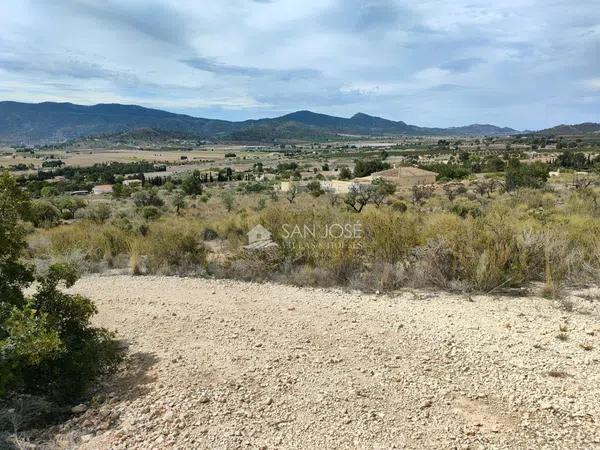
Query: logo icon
x=259, y=238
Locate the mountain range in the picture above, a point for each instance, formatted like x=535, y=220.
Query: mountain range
x=50, y=122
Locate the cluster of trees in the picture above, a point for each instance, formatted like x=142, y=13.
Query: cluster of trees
x=100, y=173
x=365, y=167
x=361, y=195
x=518, y=174
x=575, y=160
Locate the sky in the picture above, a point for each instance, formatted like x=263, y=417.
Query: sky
x=527, y=64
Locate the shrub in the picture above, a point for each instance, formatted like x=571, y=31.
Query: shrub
x=399, y=206
x=173, y=248
x=150, y=212
x=192, y=184
x=254, y=266
x=464, y=208
x=518, y=175
x=44, y=214
x=98, y=212
x=68, y=206
x=345, y=173
x=256, y=187
x=97, y=242
x=389, y=237
x=47, y=346
x=314, y=188
x=147, y=197
x=228, y=200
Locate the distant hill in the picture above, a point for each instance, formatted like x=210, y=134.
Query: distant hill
x=569, y=130
x=58, y=122
x=52, y=122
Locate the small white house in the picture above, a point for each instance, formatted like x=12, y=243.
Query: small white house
x=132, y=182
x=102, y=189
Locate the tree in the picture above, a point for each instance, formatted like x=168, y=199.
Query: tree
x=453, y=190
x=147, y=197
x=345, y=174
x=291, y=193
x=314, y=188
x=14, y=276
x=484, y=186
x=572, y=160
x=179, y=202
x=68, y=205
x=518, y=175
x=463, y=156
x=192, y=184
x=47, y=345
x=383, y=189
x=421, y=192
x=363, y=168
x=359, y=196
x=121, y=191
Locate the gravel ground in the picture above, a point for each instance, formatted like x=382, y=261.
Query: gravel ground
x=224, y=365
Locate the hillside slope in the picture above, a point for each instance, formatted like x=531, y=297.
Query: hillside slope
x=570, y=130
x=62, y=121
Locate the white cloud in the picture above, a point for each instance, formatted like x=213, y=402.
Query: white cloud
x=431, y=62
x=593, y=84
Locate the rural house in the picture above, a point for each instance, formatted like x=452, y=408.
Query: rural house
x=102, y=189
x=403, y=177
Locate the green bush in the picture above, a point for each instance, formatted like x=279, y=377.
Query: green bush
x=147, y=197
x=365, y=167
x=150, y=212
x=192, y=183
x=98, y=212
x=519, y=175
x=44, y=213
x=47, y=346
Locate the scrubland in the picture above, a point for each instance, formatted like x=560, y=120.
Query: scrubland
x=472, y=243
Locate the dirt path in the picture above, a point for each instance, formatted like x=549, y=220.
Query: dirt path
x=224, y=365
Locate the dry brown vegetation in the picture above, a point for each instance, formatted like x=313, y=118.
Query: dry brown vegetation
x=471, y=243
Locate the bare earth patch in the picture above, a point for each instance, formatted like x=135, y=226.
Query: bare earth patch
x=225, y=364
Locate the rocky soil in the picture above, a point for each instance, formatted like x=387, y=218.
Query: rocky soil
x=228, y=365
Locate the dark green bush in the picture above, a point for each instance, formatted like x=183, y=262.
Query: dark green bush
x=44, y=213
x=150, y=212
x=47, y=346
x=147, y=197
x=520, y=175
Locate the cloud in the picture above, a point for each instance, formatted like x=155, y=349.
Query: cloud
x=157, y=20
x=69, y=68
x=593, y=84
x=210, y=65
x=522, y=63
x=461, y=65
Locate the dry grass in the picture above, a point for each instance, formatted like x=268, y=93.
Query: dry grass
x=517, y=239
